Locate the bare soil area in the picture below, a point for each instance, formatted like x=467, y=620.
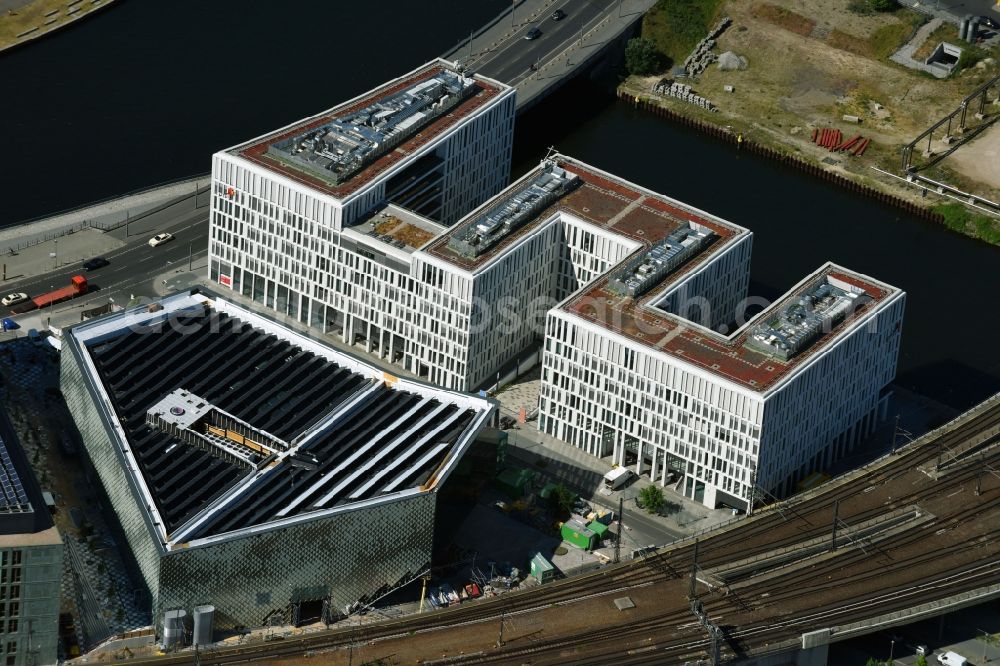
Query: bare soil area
x=811, y=62
x=979, y=160
x=24, y=20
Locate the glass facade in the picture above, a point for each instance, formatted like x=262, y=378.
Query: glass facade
x=341, y=558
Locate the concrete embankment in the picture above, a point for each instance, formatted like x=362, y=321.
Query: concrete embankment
x=104, y=215
x=723, y=134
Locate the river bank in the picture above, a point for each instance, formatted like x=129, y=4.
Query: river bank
x=812, y=65
x=23, y=21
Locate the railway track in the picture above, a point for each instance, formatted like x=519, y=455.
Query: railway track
x=675, y=633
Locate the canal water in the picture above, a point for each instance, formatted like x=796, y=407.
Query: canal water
x=146, y=91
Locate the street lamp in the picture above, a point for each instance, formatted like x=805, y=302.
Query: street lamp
x=892, y=648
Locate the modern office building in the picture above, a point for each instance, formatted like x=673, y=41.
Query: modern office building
x=640, y=301
x=31, y=553
x=254, y=469
x=291, y=212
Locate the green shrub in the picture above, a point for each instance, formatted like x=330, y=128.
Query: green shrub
x=676, y=26
x=866, y=7
x=641, y=57
x=652, y=498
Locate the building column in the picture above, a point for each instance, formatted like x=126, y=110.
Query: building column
x=639, y=458
x=655, y=468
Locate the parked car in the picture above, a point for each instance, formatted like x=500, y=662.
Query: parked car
x=989, y=22
x=160, y=239
x=534, y=33
x=558, y=15
x=448, y=591
x=14, y=299
x=95, y=263
x=432, y=596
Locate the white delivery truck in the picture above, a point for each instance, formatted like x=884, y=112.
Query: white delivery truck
x=617, y=478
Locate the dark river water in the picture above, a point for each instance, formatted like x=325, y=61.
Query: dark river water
x=147, y=90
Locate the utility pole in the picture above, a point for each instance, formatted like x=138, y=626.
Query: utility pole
x=833, y=537
x=190, y=258
x=895, y=434
x=128, y=214
x=503, y=615
x=423, y=593
x=621, y=530
x=693, y=592
x=979, y=477
x=513, y=6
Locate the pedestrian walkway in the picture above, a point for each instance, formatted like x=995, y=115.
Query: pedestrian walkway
x=904, y=56
x=56, y=253
x=102, y=215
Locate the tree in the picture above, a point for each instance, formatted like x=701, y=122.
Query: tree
x=561, y=499
x=921, y=660
x=652, y=498
x=641, y=56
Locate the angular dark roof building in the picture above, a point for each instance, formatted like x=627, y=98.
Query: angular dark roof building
x=253, y=468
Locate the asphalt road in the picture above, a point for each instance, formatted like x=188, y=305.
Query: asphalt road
x=132, y=267
x=514, y=59
x=962, y=7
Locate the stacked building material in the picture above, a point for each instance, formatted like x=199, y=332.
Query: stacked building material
x=682, y=91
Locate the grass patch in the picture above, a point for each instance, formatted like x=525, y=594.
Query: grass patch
x=846, y=42
x=946, y=32
x=676, y=26
x=971, y=54
x=784, y=18
x=883, y=42
x=958, y=218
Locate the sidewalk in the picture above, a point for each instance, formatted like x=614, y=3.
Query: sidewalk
x=100, y=215
x=904, y=56
x=74, y=248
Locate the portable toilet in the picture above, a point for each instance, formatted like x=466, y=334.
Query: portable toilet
x=541, y=569
x=575, y=533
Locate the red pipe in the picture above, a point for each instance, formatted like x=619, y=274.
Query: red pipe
x=864, y=147
x=849, y=144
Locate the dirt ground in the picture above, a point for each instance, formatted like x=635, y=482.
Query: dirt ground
x=19, y=16
x=979, y=160
x=810, y=63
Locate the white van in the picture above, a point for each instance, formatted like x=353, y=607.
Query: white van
x=952, y=659
x=617, y=478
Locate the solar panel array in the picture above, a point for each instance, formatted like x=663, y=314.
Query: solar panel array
x=256, y=376
x=395, y=440
x=13, y=498
x=391, y=440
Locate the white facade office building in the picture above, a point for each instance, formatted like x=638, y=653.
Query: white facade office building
x=637, y=298
x=292, y=221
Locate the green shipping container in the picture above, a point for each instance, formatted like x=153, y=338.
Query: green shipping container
x=577, y=534
x=600, y=529
x=513, y=481
x=542, y=569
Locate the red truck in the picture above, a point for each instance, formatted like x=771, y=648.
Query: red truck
x=77, y=286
